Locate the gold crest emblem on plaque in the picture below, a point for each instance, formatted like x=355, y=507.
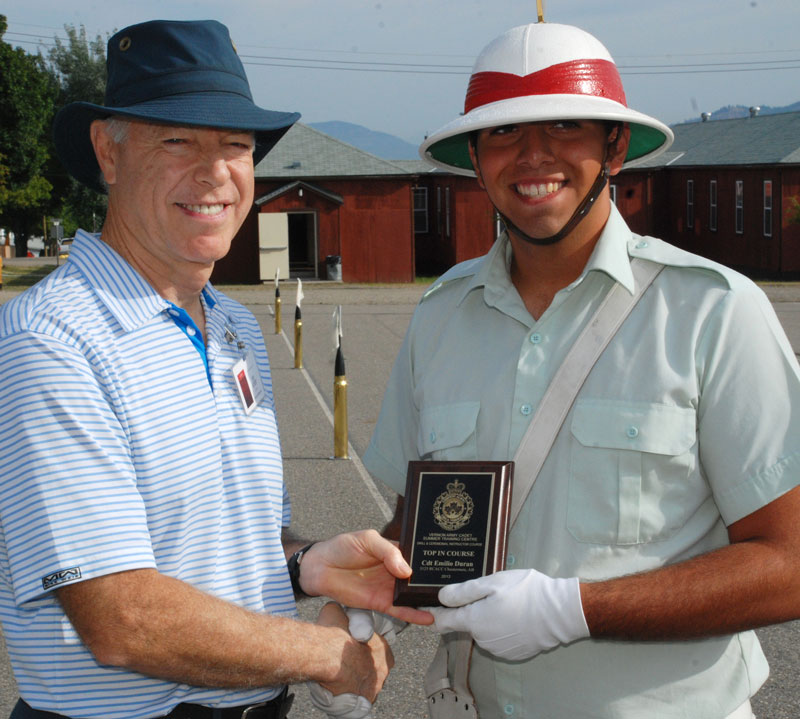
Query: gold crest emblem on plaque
x=453, y=508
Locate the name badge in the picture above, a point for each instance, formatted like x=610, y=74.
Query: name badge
x=248, y=382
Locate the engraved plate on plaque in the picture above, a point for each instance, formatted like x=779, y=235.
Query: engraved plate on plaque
x=455, y=525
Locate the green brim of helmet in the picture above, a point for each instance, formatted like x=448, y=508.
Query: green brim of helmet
x=453, y=151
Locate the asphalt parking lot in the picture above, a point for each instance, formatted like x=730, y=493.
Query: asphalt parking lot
x=333, y=495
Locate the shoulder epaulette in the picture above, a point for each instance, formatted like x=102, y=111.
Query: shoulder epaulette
x=462, y=270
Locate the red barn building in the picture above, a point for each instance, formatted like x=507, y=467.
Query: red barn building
x=321, y=204
x=726, y=189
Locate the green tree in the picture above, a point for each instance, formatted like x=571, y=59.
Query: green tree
x=79, y=68
x=27, y=92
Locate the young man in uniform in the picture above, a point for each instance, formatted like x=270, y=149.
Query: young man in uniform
x=662, y=526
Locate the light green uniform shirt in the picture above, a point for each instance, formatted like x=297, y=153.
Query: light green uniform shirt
x=684, y=426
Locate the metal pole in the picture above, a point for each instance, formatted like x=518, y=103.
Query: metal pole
x=298, y=339
x=277, y=311
x=339, y=408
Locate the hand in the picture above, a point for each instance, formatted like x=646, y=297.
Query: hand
x=358, y=569
x=362, y=623
x=514, y=614
x=333, y=699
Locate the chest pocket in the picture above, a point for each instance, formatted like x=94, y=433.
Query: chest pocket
x=633, y=475
x=447, y=431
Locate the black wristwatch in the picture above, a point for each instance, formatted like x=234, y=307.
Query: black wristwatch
x=294, y=569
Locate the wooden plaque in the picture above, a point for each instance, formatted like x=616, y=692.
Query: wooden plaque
x=455, y=526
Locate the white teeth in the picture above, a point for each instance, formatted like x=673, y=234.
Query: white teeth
x=206, y=209
x=539, y=190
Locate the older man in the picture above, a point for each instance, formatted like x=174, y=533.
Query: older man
x=662, y=524
x=142, y=564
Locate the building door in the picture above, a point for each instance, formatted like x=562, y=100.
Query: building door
x=303, y=260
x=273, y=245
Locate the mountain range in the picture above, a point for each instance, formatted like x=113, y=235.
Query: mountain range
x=389, y=147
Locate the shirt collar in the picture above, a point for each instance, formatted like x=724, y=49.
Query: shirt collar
x=126, y=294
x=609, y=256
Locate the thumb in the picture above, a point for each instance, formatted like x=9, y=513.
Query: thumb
x=457, y=595
x=361, y=623
x=449, y=620
x=332, y=615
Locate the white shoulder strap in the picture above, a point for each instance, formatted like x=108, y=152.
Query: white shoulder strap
x=449, y=698
x=569, y=378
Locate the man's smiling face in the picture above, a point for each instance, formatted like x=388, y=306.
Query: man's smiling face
x=537, y=173
x=178, y=195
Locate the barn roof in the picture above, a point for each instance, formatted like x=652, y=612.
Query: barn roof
x=759, y=140
x=306, y=152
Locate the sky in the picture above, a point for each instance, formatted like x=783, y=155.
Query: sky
x=402, y=66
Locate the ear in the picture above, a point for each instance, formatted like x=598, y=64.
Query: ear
x=105, y=149
x=618, y=148
x=473, y=156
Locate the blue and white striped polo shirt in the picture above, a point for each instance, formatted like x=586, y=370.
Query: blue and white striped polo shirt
x=117, y=454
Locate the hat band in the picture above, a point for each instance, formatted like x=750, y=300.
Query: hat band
x=598, y=78
x=206, y=80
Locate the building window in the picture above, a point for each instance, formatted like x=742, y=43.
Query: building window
x=712, y=205
x=767, y=208
x=438, y=210
x=447, y=212
x=739, y=207
x=690, y=204
x=613, y=192
x=420, y=209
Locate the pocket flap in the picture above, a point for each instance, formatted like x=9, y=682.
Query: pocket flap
x=642, y=427
x=446, y=425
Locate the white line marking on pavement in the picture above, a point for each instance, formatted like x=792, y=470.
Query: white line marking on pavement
x=357, y=463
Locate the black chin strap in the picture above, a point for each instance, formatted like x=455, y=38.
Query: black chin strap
x=581, y=212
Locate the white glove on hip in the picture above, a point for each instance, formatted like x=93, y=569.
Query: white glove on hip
x=362, y=624
x=514, y=614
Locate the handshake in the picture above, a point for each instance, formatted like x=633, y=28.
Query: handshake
x=513, y=614
x=372, y=628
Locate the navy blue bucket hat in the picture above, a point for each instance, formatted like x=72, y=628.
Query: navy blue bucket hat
x=178, y=73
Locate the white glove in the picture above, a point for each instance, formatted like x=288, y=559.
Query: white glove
x=343, y=706
x=514, y=614
x=362, y=624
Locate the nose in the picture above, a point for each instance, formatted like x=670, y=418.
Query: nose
x=534, y=146
x=212, y=169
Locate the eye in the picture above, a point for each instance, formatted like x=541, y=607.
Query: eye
x=503, y=129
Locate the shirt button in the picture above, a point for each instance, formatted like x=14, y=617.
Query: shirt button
x=641, y=245
x=433, y=437
x=511, y=560
x=508, y=709
x=632, y=432
x=536, y=338
x=190, y=331
x=525, y=409
x=174, y=313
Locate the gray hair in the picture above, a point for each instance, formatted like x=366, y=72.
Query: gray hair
x=119, y=128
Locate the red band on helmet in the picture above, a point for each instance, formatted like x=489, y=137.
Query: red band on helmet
x=579, y=77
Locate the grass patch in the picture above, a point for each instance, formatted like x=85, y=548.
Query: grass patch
x=21, y=277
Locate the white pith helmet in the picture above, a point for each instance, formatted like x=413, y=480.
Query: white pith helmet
x=539, y=72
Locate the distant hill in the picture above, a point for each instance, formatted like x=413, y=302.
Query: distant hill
x=731, y=112
x=380, y=144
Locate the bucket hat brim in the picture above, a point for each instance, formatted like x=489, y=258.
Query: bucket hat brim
x=219, y=110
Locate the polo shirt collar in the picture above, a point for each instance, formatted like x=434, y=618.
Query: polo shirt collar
x=126, y=294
